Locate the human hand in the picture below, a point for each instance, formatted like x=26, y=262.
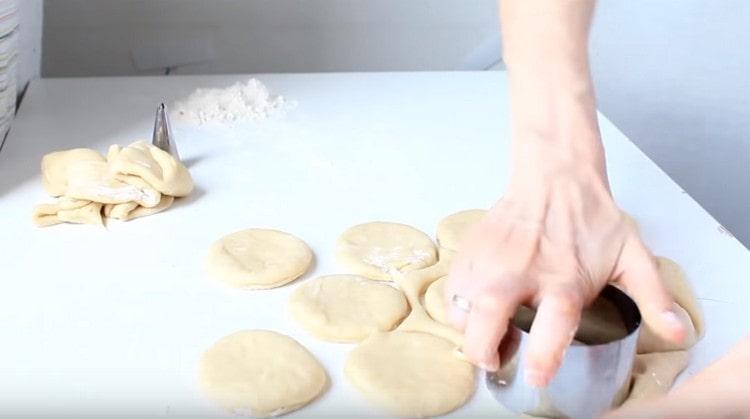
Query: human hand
x=553, y=242
x=719, y=391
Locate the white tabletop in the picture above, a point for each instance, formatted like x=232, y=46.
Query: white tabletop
x=96, y=320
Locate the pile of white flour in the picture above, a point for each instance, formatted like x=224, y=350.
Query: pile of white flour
x=248, y=101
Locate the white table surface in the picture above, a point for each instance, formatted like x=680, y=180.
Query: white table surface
x=96, y=320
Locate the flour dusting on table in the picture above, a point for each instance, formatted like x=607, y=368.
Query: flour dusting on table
x=240, y=102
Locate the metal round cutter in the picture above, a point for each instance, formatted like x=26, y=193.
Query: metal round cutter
x=594, y=376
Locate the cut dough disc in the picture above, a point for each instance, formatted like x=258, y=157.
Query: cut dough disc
x=347, y=308
x=381, y=250
x=410, y=374
x=260, y=373
x=451, y=229
x=258, y=259
x=434, y=301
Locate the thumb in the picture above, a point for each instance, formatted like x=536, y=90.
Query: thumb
x=639, y=276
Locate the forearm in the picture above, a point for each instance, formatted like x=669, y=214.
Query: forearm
x=545, y=48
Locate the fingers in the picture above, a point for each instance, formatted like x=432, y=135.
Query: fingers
x=640, y=278
x=458, y=284
x=551, y=333
x=486, y=325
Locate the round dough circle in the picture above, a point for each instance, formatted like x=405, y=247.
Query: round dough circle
x=434, y=301
x=380, y=250
x=410, y=374
x=260, y=373
x=451, y=229
x=258, y=259
x=347, y=308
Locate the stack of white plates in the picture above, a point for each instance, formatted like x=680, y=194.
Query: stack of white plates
x=8, y=52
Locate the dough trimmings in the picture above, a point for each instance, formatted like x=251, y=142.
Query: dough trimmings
x=130, y=182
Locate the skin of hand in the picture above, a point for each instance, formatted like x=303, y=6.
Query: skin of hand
x=719, y=391
x=557, y=237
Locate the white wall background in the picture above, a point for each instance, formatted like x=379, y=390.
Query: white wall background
x=30, y=40
x=99, y=36
x=673, y=75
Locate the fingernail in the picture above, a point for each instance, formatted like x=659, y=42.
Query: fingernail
x=536, y=379
x=488, y=366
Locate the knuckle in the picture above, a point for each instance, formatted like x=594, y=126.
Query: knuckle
x=568, y=302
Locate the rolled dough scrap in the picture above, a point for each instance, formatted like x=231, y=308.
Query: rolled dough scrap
x=84, y=174
x=131, y=210
x=451, y=229
x=127, y=184
x=55, y=167
x=381, y=250
x=347, y=308
x=260, y=373
x=258, y=259
x=154, y=165
x=68, y=210
x=688, y=310
x=410, y=374
x=654, y=374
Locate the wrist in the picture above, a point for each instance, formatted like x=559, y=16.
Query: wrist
x=538, y=162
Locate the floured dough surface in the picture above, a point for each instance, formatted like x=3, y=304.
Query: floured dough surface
x=347, y=308
x=258, y=259
x=381, y=250
x=410, y=374
x=451, y=229
x=260, y=373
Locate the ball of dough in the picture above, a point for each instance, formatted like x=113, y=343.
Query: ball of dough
x=347, y=308
x=258, y=259
x=410, y=374
x=434, y=301
x=381, y=250
x=451, y=229
x=260, y=373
